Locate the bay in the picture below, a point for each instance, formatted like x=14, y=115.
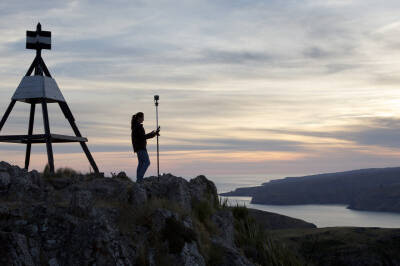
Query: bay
x=320, y=215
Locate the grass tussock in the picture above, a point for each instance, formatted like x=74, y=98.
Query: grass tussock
x=223, y=203
x=205, y=229
x=250, y=237
x=60, y=172
x=257, y=244
x=203, y=210
x=203, y=236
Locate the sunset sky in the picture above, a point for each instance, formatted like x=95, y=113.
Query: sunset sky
x=246, y=87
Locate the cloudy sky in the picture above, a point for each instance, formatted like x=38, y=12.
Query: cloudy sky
x=246, y=87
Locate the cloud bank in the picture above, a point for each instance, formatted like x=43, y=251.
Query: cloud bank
x=262, y=87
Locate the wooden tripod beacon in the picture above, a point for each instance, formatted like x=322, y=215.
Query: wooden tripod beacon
x=41, y=88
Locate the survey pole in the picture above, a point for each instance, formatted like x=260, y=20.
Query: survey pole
x=156, y=98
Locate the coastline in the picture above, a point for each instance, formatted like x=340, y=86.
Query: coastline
x=325, y=215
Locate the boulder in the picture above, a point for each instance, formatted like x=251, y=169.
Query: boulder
x=203, y=189
x=170, y=187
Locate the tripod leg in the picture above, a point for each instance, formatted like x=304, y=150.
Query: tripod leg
x=30, y=131
x=89, y=157
x=7, y=113
x=68, y=115
x=43, y=64
x=48, y=136
x=32, y=67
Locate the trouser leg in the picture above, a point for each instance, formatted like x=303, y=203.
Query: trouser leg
x=143, y=164
x=146, y=162
x=139, y=175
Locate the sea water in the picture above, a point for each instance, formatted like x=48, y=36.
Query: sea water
x=320, y=215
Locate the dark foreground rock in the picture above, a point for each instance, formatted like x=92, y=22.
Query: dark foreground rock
x=84, y=220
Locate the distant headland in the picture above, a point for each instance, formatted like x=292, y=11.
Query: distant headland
x=375, y=189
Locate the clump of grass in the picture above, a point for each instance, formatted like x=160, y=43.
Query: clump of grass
x=211, y=252
x=223, y=203
x=46, y=171
x=203, y=210
x=203, y=237
x=66, y=172
x=240, y=212
x=60, y=172
x=256, y=243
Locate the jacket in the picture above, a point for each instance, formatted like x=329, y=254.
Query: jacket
x=139, y=137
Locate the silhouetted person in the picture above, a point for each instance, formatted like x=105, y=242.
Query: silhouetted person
x=139, y=144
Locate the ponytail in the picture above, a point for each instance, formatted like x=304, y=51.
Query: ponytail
x=135, y=118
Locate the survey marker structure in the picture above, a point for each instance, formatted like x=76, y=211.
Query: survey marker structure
x=41, y=88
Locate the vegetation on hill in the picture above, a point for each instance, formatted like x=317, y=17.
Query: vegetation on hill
x=343, y=245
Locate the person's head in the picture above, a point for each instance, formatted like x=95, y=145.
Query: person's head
x=137, y=119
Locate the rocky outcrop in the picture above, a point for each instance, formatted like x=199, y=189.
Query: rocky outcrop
x=88, y=220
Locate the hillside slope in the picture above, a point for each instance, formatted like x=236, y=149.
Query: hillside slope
x=342, y=246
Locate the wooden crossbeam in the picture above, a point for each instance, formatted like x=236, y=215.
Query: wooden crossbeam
x=41, y=138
